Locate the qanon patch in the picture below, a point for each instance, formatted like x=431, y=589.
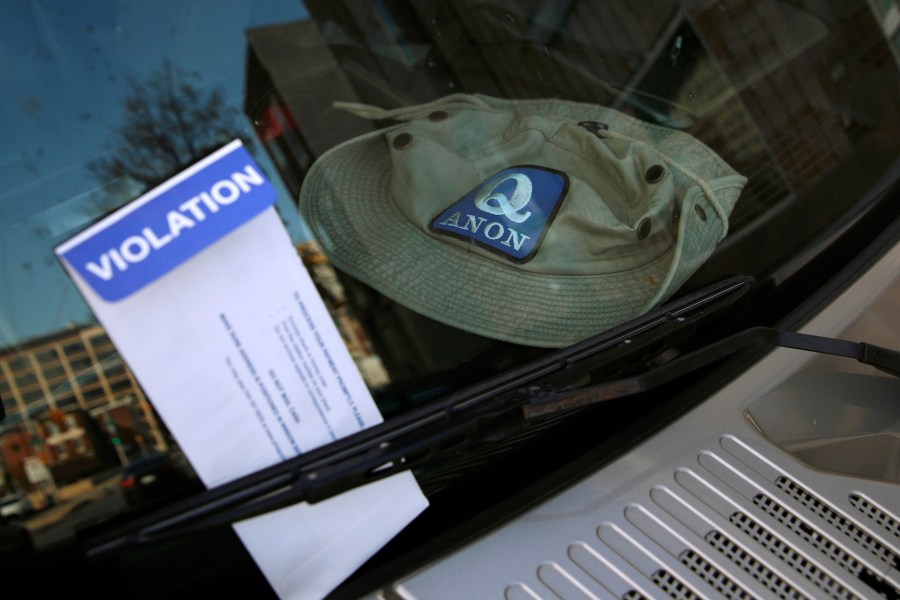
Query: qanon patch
x=509, y=213
x=163, y=228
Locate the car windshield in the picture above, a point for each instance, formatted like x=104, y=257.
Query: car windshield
x=472, y=187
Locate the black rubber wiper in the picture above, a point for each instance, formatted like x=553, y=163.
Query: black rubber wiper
x=422, y=436
x=544, y=402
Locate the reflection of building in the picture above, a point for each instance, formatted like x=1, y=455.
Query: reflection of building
x=68, y=396
x=333, y=294
x=887, y=13
x=785, y=92
x=785, y=75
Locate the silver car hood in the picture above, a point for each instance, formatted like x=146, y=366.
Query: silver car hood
x=785, y=483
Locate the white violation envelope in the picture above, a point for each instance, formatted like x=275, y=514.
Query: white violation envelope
x=203, y=294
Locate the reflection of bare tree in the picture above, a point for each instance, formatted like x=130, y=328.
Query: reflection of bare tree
x=170, y=123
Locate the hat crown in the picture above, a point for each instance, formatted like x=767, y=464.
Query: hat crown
x=482, y=174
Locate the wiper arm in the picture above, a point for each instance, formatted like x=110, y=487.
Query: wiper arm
x=422, y=436
x=543, y=403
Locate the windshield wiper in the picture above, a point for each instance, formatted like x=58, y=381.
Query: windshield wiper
x=471, y=417
x=544, y=402
x=421, y=436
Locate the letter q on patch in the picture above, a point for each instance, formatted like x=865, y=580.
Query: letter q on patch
x=508, y=213
x=510, y=205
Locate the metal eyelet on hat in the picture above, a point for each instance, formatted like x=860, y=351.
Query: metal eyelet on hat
x=643, y=228
x=654, y=174
x=700, y=212
x=403, y=141
x=438, y=115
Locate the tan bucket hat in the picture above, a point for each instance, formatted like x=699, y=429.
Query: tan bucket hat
x=538, y=222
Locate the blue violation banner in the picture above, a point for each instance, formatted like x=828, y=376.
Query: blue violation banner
x=168, y=225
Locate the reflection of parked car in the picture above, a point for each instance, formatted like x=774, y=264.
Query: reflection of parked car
x=153, y=477
x=14, y=506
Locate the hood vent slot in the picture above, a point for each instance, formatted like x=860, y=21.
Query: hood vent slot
x=877, y=514
x=713, y=576
x=790, y=557
x=809, y=535
x=825, y=546
x=672, y=586
x=749, y=564
x=823, y=511
x=733, y=523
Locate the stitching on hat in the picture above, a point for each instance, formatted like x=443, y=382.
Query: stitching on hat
x=681, y=137
x=626, y=120
x=404, y=113
x=729, y=186
x=710, y=194
x=493, y=104
x=612, y=180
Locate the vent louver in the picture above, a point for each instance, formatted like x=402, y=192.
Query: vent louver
x=713, y=576
x=881, y=518
x=750, y=565
x=824, y=545
x=670, y=584
x=854, y=532
x=733, y=522
x=790, y=557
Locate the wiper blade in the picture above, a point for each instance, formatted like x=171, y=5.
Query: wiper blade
x=421, y=436
x=543, y=402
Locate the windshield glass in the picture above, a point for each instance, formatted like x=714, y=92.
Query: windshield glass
x=498, y=181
